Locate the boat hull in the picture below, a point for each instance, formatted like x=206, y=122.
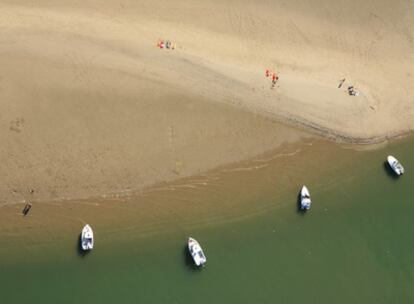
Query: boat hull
x=395, y=165
x=87, y=239
x=305, y=200
x=196, y=252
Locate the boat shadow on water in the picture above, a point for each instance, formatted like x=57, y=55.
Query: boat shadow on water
x=80, y=251
x=188, y=260
x=390, y=172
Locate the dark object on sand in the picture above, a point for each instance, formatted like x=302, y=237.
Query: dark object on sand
x=352, y=91
x=27, y=209
x=341, y=82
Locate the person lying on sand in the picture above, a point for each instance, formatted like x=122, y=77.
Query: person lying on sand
x=27, y=209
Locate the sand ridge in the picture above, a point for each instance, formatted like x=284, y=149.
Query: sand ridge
x=90, y=105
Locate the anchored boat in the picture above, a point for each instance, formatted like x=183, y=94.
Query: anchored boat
x=196, y=252
x=395, y=165
x=87, y=238
x=305, y=200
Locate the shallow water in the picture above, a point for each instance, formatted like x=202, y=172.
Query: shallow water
x=353, y=246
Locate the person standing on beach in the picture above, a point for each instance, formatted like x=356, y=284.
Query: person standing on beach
x=274, y=78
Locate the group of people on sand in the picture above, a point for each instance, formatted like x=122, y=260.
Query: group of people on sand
x=273, y=75
x=165, y=44
x=351, y=90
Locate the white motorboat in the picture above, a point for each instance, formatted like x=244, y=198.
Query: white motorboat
x=395, y=165
x=196, y=252
x=305, y=200
x=87, y=238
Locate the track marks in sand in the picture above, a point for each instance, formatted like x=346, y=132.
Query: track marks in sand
x=17, y=125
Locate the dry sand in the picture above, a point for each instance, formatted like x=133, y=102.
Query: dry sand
x=89, y=106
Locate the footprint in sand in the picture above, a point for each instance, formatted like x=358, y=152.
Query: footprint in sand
x=17, y=125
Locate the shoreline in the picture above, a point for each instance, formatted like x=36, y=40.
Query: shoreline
x=343, y=138
x=210, y=197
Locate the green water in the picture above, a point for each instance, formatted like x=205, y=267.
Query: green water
x=354, y=246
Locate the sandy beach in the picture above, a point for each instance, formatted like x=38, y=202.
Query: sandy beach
x=90, y=106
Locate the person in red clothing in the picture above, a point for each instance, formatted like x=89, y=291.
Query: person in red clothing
x=160, y=44
x=267, y=73
x=274, y=78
